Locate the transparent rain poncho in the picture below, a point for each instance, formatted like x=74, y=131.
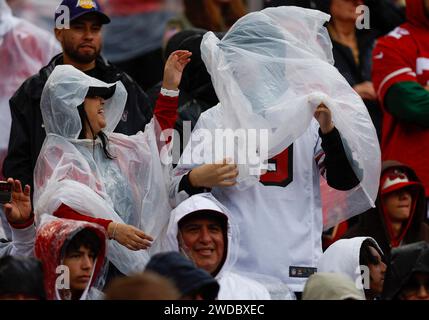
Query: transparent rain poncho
x=270, y=71
x=129, y=189
x=24, y=49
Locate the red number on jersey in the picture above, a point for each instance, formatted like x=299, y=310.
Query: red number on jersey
x=282, y=174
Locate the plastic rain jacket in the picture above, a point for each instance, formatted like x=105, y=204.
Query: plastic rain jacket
x=53, y=235
x=270, y=71
x=232, y=285
x=129, y=189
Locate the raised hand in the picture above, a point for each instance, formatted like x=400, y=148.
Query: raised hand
x=173, y=69
x=129, y=236
x=214, y=175
x=18, y=211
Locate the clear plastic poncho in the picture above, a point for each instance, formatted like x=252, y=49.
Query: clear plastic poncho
x=24, y=49
x=129, y=189
x=270, y=71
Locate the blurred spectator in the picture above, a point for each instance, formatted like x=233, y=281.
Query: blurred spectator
x=133, y=39
x=146, y=286
x=401, y=78
x=24, y=49
x=196, y=89
x=350, y=256
x=385, y=15
x=352, y=49
x=407, y=277
x=81, y=47
x=35, y=11
x=193, y=283
x=21, y=279
x=72, y=253
x=212, y=15
x=398, y=217
x=200, y=228
x=331, y=286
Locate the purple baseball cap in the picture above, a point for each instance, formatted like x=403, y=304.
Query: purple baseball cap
x=79, y=8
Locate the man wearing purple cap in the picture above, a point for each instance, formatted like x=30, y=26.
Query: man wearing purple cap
x=81, y=44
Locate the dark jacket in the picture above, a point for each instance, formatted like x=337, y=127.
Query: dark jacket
x=405, y=261
x=358, y=73
x=28, y=133
x=372, y=222
x=196, y=89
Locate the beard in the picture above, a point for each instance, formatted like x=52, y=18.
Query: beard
x=83, y=58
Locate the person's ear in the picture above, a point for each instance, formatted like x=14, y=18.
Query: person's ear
x=59, y=34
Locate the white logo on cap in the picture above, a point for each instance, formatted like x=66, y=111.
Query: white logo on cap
x=395, y=178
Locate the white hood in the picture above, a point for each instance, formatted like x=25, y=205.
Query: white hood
x=343, y=257
x=204, y=201
x=65, y=90
x=232, y=285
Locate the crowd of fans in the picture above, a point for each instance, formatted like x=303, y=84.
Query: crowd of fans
x=97, y=211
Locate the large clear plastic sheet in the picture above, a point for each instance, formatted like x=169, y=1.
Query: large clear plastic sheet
x=131, y=188
x=270, y=71
x=24, y=49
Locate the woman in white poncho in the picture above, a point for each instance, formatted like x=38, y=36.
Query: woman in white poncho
x=85, y=171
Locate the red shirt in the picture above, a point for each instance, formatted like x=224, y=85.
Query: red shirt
x=403, y=56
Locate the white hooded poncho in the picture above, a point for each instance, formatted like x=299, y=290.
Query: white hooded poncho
x=129, y=189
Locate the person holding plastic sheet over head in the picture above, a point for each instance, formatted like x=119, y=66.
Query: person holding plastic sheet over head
x=273, y=73
x=87, y=172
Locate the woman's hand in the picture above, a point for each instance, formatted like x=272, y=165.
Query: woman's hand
x=324, y=117
x=18, y=211
x=173, y=69
x=129, y=236
x=214, y=175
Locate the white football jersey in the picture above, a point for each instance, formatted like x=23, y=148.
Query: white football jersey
x=280, y=218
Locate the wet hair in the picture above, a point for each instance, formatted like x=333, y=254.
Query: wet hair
x=85, y=238
x=104, y=139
